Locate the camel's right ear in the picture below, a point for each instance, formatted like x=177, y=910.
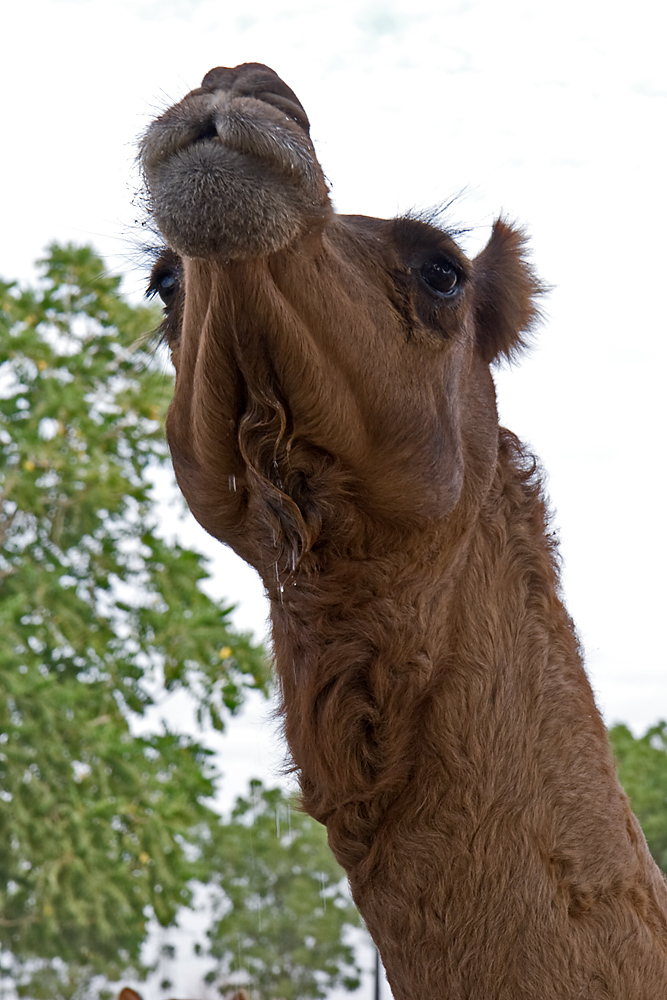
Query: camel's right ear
x=128, y=994
x=506, y=288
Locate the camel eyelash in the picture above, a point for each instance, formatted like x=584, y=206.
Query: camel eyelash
x=165, y=284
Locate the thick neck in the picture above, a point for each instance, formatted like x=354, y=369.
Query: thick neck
x=444, y=730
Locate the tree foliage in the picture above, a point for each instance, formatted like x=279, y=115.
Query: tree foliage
x=98, y=614
x=281, y=910
x=642, y=769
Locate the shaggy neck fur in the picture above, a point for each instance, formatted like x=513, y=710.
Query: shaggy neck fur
x=462, y=768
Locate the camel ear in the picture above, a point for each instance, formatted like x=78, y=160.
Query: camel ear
x=506, y=288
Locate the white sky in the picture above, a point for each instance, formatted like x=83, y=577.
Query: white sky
x=553, y=113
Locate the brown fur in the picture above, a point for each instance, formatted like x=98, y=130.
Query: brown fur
x=334, y=421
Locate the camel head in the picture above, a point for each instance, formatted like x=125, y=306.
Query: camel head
x=332, y=371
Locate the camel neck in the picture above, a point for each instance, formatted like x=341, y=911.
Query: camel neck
x=445, y=732
x=458, y=636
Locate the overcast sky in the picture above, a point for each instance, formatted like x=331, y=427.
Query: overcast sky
x=553, y=113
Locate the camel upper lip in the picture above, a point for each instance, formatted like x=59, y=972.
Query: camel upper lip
x=246, y=108
x=260, y=82
x=291, y=109
x=273, y=130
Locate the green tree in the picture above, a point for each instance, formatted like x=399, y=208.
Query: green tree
x=642, y=768
x=281, y=909
x=99, y=616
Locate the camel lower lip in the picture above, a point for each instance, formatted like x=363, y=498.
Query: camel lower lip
x=205, y=140
x=200, y=200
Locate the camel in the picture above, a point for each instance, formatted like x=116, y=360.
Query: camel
x=334, y=421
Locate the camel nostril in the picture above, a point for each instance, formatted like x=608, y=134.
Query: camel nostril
x=258, y=81
x=220, y=78
x=243, y=78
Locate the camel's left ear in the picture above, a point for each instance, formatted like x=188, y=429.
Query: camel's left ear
x=506, y=288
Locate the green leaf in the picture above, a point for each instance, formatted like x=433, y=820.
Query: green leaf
x=642, y=769
x=100, y=831
x=281, y=905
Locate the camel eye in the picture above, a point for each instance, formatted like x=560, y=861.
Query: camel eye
x=165, y=284
x=166, y=287
x=441, y=276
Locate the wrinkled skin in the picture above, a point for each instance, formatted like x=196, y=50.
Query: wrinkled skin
x=334, y=421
